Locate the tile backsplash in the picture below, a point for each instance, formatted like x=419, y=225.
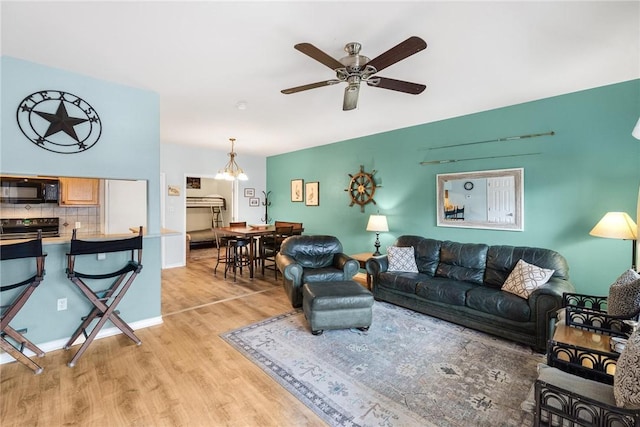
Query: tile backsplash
x=88, y=216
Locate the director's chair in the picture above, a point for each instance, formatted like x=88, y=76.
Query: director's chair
x=104, y=301
x=17, y=251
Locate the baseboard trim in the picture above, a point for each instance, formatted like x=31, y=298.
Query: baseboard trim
x=106, y=332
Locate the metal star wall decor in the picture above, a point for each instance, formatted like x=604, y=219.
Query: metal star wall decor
x=59, y=121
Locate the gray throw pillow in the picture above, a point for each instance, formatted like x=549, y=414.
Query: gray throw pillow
x=624, y=294
x=402, y=259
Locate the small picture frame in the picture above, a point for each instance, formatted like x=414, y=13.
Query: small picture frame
x=249, y=192
x=254, y=201
x=297, y=190
x=193, y=182
x=312, y=192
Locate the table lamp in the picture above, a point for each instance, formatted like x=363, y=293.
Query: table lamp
x=377, y=223
x=618, y=225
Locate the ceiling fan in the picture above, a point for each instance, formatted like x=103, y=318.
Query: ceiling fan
x=355, y=68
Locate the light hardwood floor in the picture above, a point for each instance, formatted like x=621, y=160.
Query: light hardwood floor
x=183, y=374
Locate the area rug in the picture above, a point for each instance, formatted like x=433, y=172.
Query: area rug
x=408, y=369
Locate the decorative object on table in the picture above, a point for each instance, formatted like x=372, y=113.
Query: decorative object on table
x=173, y=190
x=439, y=372
x=231, y=170
x=378, y=224
x=297, y=190
x=193, y=183
x=266, y=205
x=57, y=131
x=355, y=68
x=249, y=192
x=362, y=187
x=254, y=201
x=495, y=202
x=618, y=225
x=312, y=193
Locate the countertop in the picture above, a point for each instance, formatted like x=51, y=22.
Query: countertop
x=67, y=238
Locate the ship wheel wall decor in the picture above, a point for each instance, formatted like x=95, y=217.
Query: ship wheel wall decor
x=362, y=187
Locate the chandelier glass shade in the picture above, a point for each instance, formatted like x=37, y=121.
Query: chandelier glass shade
x=231, y=170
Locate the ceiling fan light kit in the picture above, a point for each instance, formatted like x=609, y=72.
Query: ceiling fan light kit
x=354, y=69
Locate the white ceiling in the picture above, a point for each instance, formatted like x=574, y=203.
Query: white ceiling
x=204, y=57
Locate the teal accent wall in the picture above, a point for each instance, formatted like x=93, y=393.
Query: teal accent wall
x=129, y=148
x=591, y=166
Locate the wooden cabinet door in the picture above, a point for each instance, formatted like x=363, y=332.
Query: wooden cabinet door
x=79, y=191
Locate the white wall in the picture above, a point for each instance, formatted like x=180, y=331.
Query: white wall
x=179, y=161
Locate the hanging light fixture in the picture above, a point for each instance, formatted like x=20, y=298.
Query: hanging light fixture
x=231, y=170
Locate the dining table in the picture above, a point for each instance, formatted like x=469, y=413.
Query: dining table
x=247, y=232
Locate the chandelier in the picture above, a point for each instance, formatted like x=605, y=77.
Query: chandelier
x=231, y=170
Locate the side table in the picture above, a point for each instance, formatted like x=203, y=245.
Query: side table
x=583, y=353
x=362, y=260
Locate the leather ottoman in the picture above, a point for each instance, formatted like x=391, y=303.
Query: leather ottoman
x=336, y=305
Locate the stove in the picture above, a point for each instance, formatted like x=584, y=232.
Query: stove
x=27, y=228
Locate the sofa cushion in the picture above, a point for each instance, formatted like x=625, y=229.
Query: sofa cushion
x=325, y=274
x=624, y=294
x=499, y=303
x=403, y=282
x=427, y=252
x=502, y=259
x=462, y=261
x=443, y=290
x=526, y=278
x=402, y=259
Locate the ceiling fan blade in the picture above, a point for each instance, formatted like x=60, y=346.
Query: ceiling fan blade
x=315, y=53
x=399, y=85
x=398, y=53
x=309, y=86
x=350, y=101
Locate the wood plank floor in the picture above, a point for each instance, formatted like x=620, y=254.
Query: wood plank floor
x=183, y=374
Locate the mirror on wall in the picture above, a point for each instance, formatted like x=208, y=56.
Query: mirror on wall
x=492, y=199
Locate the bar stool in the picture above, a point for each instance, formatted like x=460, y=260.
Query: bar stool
x=14, y=252
x=237, y=255
x=104, y=301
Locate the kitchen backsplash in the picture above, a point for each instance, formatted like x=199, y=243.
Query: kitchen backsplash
x=88, y=217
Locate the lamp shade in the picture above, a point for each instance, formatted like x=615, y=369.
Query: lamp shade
x=636, y=130
x=615, y=225
x=377, y=223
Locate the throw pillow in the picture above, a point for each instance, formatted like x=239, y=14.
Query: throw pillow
x=402, y=259
x=624, y=294
x=525, y=278
x=626, y=380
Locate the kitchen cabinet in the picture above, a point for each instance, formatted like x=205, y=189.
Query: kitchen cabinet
x=79, y=191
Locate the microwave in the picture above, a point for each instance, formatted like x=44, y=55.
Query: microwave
x=29, y=190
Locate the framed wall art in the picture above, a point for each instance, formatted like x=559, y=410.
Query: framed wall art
x=297, y=190
x=312, y=192
x=193, y=182
x=249, y=192
x=254, y=201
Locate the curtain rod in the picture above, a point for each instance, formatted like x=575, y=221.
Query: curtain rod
x=508, y=138
x=437, y=162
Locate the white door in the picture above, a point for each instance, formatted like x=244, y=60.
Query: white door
x=501, y=200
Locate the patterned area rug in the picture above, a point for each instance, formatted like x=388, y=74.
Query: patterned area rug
x=407, y=370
